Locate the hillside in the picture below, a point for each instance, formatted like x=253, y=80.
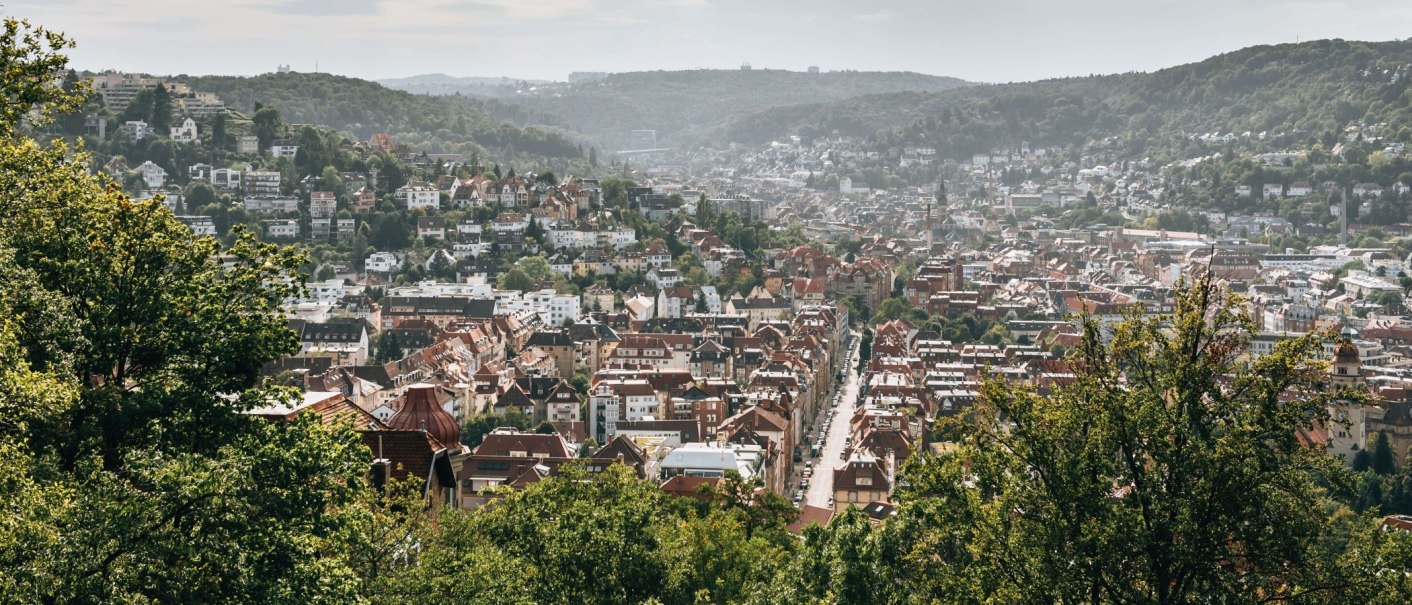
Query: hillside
x=685, y=106
x=1309, y=89
x=362, y=108
x=442, y=84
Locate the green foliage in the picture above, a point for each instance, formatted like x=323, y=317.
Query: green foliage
x=1139, y=491
x=34, y=61
x=1312, y=88
x=475, y=428
x=362, y=108
x=161, y=118
x=129, y=351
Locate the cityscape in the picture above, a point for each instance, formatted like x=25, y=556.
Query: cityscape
x=727, y=335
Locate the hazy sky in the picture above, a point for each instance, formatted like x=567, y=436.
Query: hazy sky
x=981, y=40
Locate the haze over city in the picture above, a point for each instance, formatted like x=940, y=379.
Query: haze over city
x=1007, y=40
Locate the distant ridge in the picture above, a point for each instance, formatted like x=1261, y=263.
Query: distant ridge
x=682, y=106
x=1305, y=89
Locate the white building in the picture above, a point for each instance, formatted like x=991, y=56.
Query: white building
x=283, y=149
x=281, y=228
x=139, y=129
x=413, y=197
x=155, y=176
x=225, y=178
x=322, y=204
x=382, y=262
x=186, y=132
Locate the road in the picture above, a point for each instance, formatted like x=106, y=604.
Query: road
x=821, y=484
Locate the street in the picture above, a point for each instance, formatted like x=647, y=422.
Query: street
x=821, y=484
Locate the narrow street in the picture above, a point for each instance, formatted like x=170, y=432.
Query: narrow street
x=821, y=484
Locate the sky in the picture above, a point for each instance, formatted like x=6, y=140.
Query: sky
x=977, y=40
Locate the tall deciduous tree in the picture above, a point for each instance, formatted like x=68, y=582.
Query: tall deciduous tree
x=1141, y=481
x=128, y=353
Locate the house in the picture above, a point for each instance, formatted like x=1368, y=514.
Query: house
x=675, y=301
x=345, y=340
x=281, y=229
x=664, y=278
x=1367, y=190
x=469, y=245
x=226, y=178
x=199, y=172
x=185, y=133
x=418, y=195
x=271, y=203
x=247, y=144
x=138, y=129
x=1300, y=189
x=283, y=148
x=153, y=175
x=558, y=345
x=861, y=480
x=322, y=204
x=1273, y=190
x=431, y=227
x=559, y=263
x=510, y=222
x=363, y=201
x=382, y=262
x=506, y=455
x=758, y=310
x=261, y=182
x=199, y=225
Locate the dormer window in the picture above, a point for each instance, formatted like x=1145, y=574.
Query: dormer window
x=865, y=481
x=517, y=454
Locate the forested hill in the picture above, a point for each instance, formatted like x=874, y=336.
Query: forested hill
x=362, y=108
x=1309, y=89
x=683, y=106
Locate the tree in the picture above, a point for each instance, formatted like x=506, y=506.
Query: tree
x=1135, y=483
x=34, y=63
x=161, y=118
x=1382, y=461
x=389, y=348
x=1386, y=297
x=267, y=124
x=198, y=194
x=131, y=352
x=515, y=279
x=475, y=428
x=218, y=132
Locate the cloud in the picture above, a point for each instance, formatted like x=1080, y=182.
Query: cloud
x=881, y=16
x=332, y=8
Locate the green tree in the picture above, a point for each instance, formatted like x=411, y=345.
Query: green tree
x=475, y=428
x=1383, y=462
x=161, y=118
x=34, y=63
x=198, y=194
x=389, y=348
x=515, y=279
x=268, y=125
x=1136, y=482
x=218, y=132
x=130, y=351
